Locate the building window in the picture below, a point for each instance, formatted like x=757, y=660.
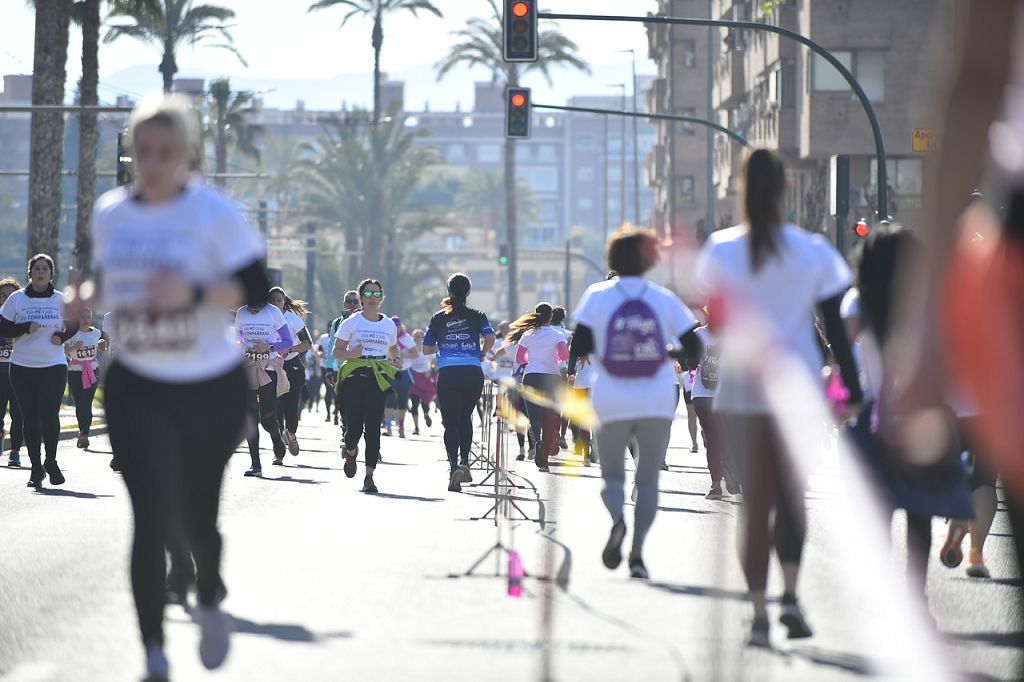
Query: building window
x=614, y=143
x=456, y=153
x=547, y=153
x=687, y=189
x=689, y=129
x=867, y=66
x=540, y=178
x=488, y=153
x=689, y=54
x=584, y=174
x=585, y=141
x=483, y=280
x=614, y=173
x=905, y=178
x=585, y=203
x=528, y=280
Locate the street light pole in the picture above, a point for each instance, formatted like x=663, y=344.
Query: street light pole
x=622, y=165
x=636, y=144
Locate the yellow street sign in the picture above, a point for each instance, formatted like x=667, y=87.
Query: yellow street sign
x=925, y=140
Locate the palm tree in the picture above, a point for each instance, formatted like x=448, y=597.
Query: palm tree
x=480, y=44
x=168, y=24
x=229, y=124
x=376, y=9
x=86, y=13
x=47, y=131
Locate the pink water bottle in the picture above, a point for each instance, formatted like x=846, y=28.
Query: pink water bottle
x=515, y=575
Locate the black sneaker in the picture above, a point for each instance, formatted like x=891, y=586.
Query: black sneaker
x=732, y=481
x=612, y=554
x=714, y=494
x=466, y=473
x=455, y=482
x=427, y=421
x=115, y=465
x=759, y=634
x=258, y=473
x=521, y=457
x=56, y=477
x=278, y=461
x=350, y=463
x=368, y=486
x=793, y=618
x=637, y=569
x=14, y=461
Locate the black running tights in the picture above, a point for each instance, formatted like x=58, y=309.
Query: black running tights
x=7, y=398
x=173, y=441
x=39, y=392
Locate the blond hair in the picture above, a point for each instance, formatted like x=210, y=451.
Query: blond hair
x=172, y=111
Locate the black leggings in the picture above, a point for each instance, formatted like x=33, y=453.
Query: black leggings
x=329, y=378
x=458, y=392
x=289, y=404
x=544, y=421
x=262, y=407
x=414, y=405
x=173, y=441
x=83, y=401
x=7, y=398
x=770, y=483
x=39, y=392
x=363, y=402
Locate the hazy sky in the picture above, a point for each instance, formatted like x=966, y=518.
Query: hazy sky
x=280, y=40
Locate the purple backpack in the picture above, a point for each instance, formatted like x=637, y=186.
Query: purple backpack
x=635, y=348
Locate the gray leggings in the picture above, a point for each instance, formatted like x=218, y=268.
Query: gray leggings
x=652, y=436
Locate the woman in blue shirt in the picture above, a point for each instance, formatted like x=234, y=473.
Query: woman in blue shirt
x=455, y=334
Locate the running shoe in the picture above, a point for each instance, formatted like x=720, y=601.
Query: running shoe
x=368, y=486
x=562, y=443
x=466, y=473
x=258, y=473
x=35, y=479
x=793, y=618
x=455, y=482
x=14, y=461
x=664, y=466
x=976, y=565
x=350, y=463
x=427, y=421
x=612, y=554
x=714, y=494
x=416, y=431
x=56, y=477
x=335, y=418
x=214, y=635
x=759, y=636
x=278, y=461
x=85, y=442
x=637, y=569
x=157, y=668
x=532, y=452
x=694, y=449
x=327, y=418
x=293, y=443
x=732, y=481
x=82, y=439
x=543, y=469
x=521, y=456
x=951, y=553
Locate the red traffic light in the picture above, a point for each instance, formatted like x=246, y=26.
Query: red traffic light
x=520, y=9
x=861, y=229
x=518, y=100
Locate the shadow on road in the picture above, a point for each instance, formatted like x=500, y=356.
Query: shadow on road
x=833, y=659
x=684, y=510
x=700, y=591
x=414, y=498
x=310, y=466
x=1006, y=639
x=282, y=631
x=64, y=492
x=289, y=479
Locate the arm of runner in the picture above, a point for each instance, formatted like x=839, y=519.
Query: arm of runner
x=304, y=344
x=284, y=339
x=12, y=330
x=522, y=356
x=841, y=351
x=488, y=343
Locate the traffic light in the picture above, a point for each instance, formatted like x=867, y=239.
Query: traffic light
x=861, y=228
x=503, y=254
x=518, y=113
x=124, y=163
x=519, y=26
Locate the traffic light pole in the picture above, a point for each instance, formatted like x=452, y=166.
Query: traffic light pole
x=654, y=117
x=876, y=129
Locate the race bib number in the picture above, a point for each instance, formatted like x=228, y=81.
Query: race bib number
x=148, y=331
x=5, y=353
x=250, y=354
x=85, y=353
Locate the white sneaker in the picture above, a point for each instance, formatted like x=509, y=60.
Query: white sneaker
x=215, y=635
x=157, y=668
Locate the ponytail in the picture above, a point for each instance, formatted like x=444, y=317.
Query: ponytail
x=299, y=307
x=764, y=186
x=458, y=286
x=540, y=316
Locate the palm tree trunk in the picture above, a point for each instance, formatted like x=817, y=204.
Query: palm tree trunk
x=221, y=153
x=88, y=137
x=168, y=66
x=378, y=42
x=47, y=136
x=511, y=232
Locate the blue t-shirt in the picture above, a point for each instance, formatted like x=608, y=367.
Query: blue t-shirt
x=456, y=335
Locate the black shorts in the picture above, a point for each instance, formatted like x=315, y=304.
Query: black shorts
x=980, y=468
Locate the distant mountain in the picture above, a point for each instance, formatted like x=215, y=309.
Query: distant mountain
x=421, y=86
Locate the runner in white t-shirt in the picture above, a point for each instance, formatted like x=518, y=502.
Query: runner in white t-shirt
x=423, y=390
x=295, y=313
x=625, y=325
x=398, y=400
x=772, y=277
x=84, y=350
x=7, y=287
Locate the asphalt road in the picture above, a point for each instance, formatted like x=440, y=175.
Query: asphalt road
x=327, y=583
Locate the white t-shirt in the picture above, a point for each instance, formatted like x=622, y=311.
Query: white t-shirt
x=89, y=352
x=618, y=398
x=770, y=313
x=505, y=366
x=421, y=364
x=406, y=343
x=260, y=326
x=296, y=325
x=199, y=235
x=375, y=337
x=36, y=350
x=697, y=388
x=585, y=374
x=541, y=344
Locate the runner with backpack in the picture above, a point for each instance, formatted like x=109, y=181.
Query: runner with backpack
x=627, y=325
x=705, y=385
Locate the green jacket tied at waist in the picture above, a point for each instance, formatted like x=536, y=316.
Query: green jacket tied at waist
x=383, y=371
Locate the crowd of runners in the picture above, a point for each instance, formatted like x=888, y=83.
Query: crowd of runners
x=197, y=352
